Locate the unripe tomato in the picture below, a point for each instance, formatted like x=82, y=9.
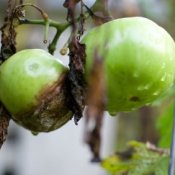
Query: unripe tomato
x=139, y=61
x=31, y=89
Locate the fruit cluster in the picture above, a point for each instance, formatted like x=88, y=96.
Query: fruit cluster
x=139, y=66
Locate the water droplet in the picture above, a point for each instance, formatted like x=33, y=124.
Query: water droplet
x=147, y=104
x=163, y=66
x=146, y=87
x=113, y=113
x=133, y=109
x=140, y=88
x=136, y=75
x=34, y=133
x=171, y=58
x=143, y=87
x=163, y=78
x=156, y=93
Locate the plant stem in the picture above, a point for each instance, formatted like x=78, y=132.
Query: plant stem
x=52, y=45
x=52, y=23
x=60, y=27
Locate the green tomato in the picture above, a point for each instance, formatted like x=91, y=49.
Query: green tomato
x=30, y=81
x=139, y=61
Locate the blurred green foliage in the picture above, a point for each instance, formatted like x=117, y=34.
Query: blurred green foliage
x=139, y=159
x=164, y=125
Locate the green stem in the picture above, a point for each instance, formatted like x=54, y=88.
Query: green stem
x=46, y=31
x=60, y=27
x=52, y=23
x=52, y=45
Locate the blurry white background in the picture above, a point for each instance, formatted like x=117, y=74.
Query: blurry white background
x=59, y=152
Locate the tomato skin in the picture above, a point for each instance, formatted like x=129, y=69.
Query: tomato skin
x=27, y=81
x=139, y=61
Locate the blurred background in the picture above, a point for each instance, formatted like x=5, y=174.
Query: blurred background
x=63, y=151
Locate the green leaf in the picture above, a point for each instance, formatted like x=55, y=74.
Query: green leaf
x=139, y=159
x=164, y=125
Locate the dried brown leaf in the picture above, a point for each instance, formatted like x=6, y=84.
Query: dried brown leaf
x=76, y=82
x=8, y=48
x=96, y=97
x=8, y=36
x=100, y=12
x=96, y=100
x=70, y=5
x=4, y=122
x=93, y=138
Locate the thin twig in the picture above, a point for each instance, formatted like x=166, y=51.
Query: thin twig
x=43, y=14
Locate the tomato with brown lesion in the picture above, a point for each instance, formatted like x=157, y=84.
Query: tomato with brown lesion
x=32, y=89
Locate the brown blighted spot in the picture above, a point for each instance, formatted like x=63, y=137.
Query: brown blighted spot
x=134, y=99
x=96, y=99
x=50, y=113
x=4, y=123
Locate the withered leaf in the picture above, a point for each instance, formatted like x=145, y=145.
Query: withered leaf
x=70, y=5
x=8, y=48
x=96, y=97
x=8, y=33
x=97, y=18
x=95, y=100
x=4, y=122
x=76, y=81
